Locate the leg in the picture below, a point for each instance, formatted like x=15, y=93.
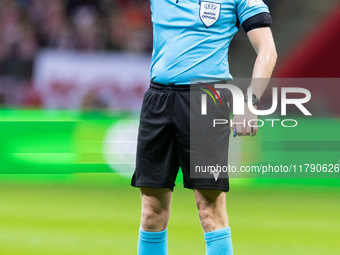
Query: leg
x=212, y=211
x=154, y=220
x=157, y=165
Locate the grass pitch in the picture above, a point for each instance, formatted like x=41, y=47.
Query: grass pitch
x=73, y=219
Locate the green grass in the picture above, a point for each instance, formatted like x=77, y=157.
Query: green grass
x=104, y=219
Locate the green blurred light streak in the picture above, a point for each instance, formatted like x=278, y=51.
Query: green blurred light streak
x=36, y=139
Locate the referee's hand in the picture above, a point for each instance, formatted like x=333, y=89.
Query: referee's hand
x=245, y=125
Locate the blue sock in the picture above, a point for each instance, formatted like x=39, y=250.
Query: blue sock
x=152, y=243
x=219, y=242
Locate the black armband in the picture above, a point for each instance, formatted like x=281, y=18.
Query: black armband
x=263, y=19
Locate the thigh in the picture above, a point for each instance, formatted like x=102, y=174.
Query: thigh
x=155, y=198
x=210, y=198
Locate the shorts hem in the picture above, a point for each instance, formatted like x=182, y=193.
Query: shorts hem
x=152, y=185
x=211, y=187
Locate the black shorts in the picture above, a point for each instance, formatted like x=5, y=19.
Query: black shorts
x=165, y=138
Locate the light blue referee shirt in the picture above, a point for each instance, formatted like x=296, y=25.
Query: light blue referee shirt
x=192, y=37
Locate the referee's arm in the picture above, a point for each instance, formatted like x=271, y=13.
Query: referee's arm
x=263, y=43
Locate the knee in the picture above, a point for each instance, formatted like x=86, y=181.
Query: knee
x=207, y=219
x=212, y=218
x=154, y=220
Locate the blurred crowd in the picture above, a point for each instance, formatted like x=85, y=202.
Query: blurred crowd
x=29, y=26
x=26, y=26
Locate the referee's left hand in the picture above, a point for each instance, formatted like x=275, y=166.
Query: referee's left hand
x=246, y=124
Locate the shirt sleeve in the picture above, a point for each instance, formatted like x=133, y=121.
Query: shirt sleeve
x=246, y=9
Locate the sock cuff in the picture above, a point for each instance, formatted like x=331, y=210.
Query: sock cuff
x=153, y=237
x=217, y=235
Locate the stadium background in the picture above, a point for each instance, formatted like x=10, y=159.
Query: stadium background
x=72, y=76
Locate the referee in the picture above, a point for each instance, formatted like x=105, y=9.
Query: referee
x=191, y=41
